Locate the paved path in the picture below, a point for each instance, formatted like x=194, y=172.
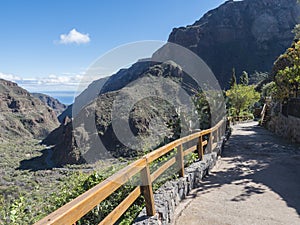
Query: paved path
x=257, y=181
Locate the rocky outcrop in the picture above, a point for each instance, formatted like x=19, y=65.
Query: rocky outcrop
x=285, y=126
x=246, y=35
x=53, y=103
x=149, y=117
x=83, y=99
x=23, y=115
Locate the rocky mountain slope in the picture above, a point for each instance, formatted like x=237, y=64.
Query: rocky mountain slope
x=246, y=35
x=91, y=134
x=53, y=103
x=23, y=115
x=83, y=99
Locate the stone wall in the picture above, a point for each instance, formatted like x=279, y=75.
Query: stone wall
x=285, y=126
x=172, y=192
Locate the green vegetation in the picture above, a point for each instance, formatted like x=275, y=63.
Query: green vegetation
x=233, y=81
x=203, y=110
x=241, y=98
x=244, y=79
x=30, y=190
x=27, y=210
x=29, y=195
x=287, y=78
x=258, y=77
x=269, y=90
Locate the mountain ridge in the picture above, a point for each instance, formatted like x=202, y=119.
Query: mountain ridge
x=23, y=115
x=246, y=35
x=53, y=103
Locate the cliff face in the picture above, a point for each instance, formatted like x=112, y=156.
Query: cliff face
x=23, y=115
x=76, y=143
x=53, y=103
x=83, y=99
x=246, y=35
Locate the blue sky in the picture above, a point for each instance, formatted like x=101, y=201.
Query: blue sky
x=54, y=41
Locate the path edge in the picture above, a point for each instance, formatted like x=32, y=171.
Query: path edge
x=168, y=197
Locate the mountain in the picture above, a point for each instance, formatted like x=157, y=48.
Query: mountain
x=103, y=85
x=53, y=103
x=246, y=35
x=153, y=120
x=83, y=99
x=22, y=115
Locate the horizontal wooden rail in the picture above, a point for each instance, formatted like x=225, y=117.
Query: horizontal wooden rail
x=190, y=150
x=123, y=206
x=80, y=206
x=162, y=169
x=74, y=210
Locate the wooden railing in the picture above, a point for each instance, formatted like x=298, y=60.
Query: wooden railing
x=263, y=112
x=80, y=206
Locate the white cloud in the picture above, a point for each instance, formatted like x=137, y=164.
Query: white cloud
x=74, y=37
x=52, y=79
x=52, y=82
x=10, y=77
x=64, y=82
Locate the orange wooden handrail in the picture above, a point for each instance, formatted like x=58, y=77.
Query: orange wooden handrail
x=80, y=206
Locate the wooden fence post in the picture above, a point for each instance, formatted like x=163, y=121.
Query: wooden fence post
x=210, y=142
x=180, y=161
x=200, y=148
x=147, y=191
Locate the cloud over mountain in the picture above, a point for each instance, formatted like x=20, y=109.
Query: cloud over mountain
x=10, y=77
x=52, y=82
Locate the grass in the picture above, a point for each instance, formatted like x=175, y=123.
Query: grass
x=30, y=189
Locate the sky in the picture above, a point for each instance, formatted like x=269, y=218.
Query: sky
x=47, y=46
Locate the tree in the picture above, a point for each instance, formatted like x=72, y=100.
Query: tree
x=244, y=79
x=258, y=77
x=287, y=66
x=203, y=110
x=268, y=90
x=296, y=31
x=233, y=78
x=288, y=81
x=287, y=78
x=241, y=98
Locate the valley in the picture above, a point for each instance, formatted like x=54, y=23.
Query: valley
x=247, y=68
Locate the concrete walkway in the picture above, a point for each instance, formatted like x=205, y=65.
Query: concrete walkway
x=257, y=181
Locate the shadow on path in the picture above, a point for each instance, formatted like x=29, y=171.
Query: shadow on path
x=258, y=161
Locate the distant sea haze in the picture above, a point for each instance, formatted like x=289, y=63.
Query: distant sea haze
x=65, y=97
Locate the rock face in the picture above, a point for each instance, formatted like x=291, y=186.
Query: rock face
x=246, y=35
x=23, y=115
x=83, y=99
x=149, y=117
x=287, y=127
x=53, y=103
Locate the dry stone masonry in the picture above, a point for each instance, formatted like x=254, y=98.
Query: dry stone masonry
x=172, y=192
